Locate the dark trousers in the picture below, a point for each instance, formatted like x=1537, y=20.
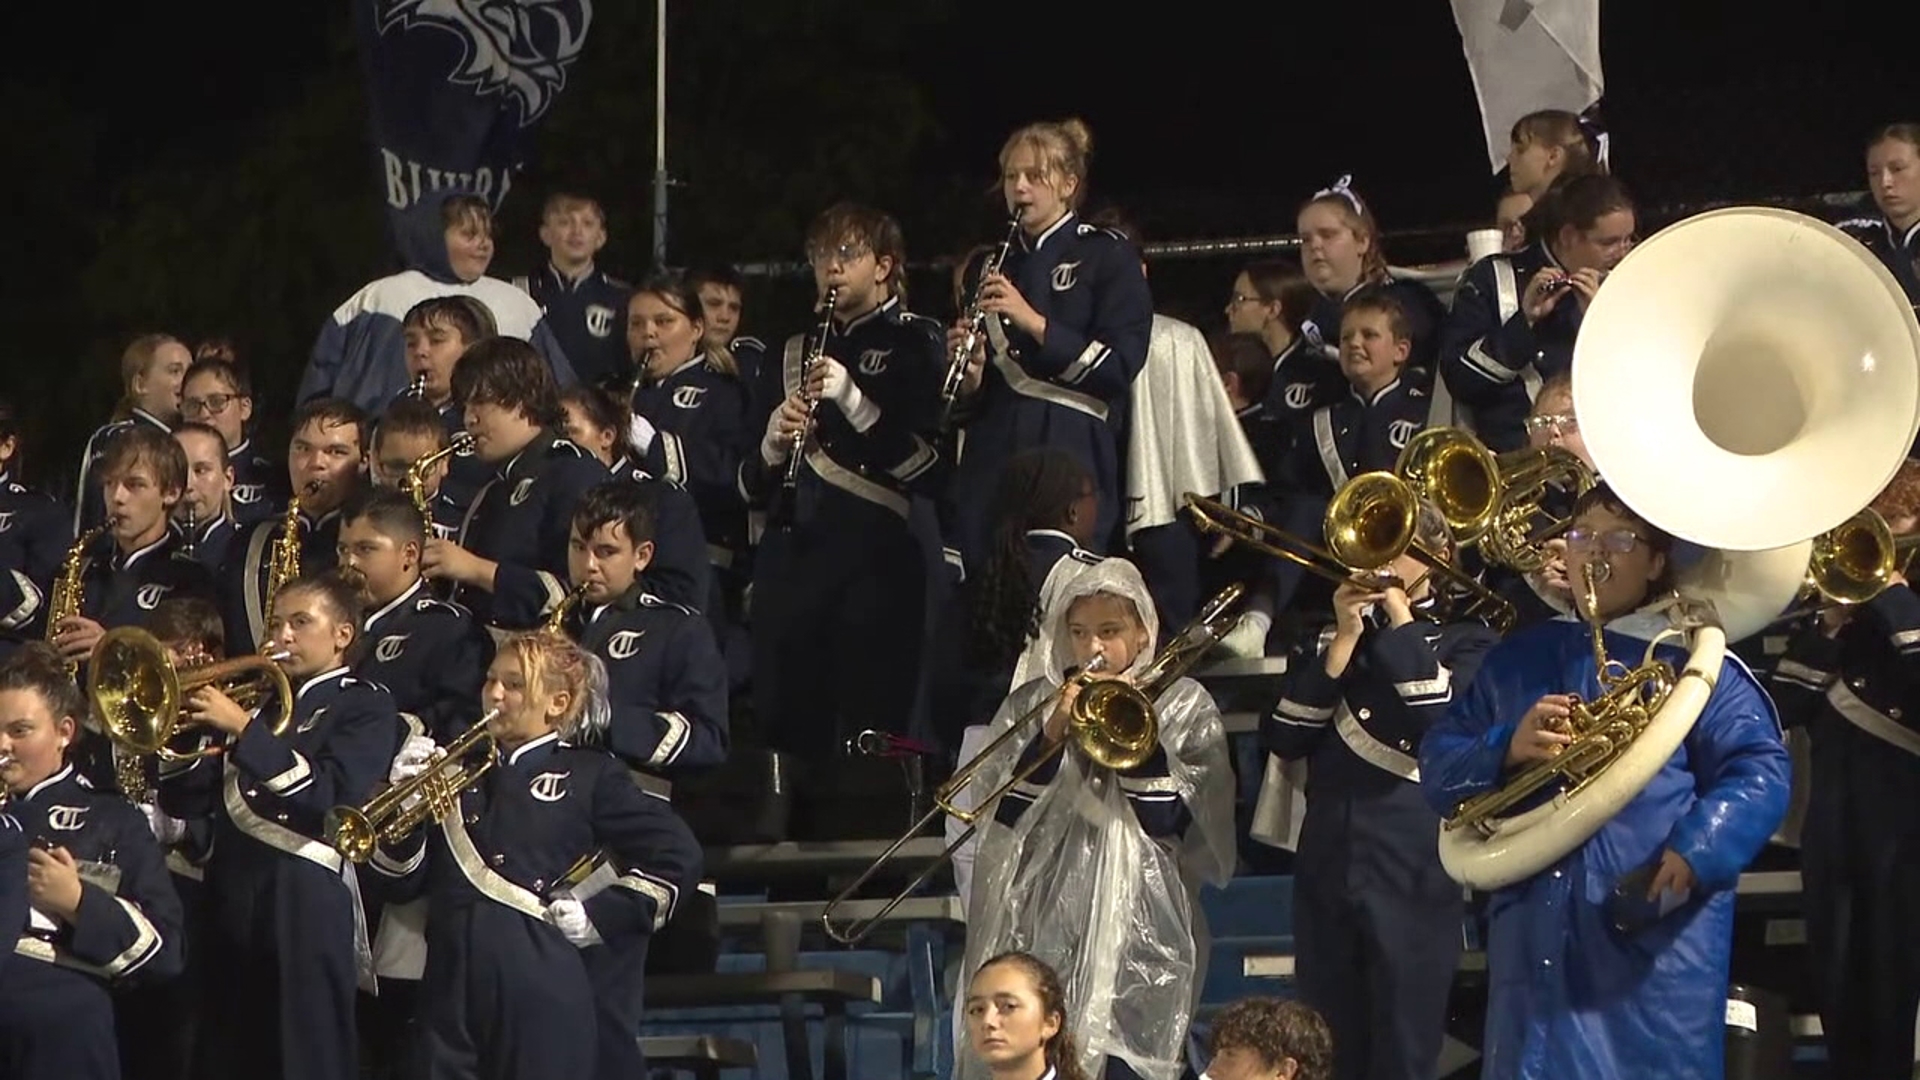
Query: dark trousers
x=280, y=979
x=1169, y=559
x=837, y=636
x=158, y=1023
x=1378, y=966
x=55, y=1024
x=504, y=998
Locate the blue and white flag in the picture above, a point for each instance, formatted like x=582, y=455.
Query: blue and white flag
x=1528, y=55
x=456, y=89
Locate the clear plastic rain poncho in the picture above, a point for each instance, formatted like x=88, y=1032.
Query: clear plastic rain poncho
x=1077, y=882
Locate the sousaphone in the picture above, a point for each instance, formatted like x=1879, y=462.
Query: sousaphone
x=1747, y=379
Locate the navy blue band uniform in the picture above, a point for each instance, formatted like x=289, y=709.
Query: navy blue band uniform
x=588, y=316
x=1304, y=378
x=243, y=579
x=430, y=655
x=1149, y=787
x=260, y=488
x=1858, y=697
x=749, y=356
x=698, y=415
x=209, y=543
x=1377, y=919
x=665, y=677
x=1069, y=391
x=35, y=533
x=522, y=520
x=506, y=994
x=682, y=569
x=1492, y=358
x=834, y=587
x=283, y=926
x=56, y=1004
x=89, y=506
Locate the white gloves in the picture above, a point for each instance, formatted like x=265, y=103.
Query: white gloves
x=166, y=829
x=412, y=760
x=1248, y=638
x=845, y=394
x=640, y=432
x=569, y=916
x=774, y=446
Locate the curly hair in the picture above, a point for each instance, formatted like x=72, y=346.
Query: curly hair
x=1276, y=1030
x=1036, y=488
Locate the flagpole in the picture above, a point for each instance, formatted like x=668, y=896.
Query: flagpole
x=660, y=140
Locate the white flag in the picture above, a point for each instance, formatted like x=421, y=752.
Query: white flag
x=1527, y=55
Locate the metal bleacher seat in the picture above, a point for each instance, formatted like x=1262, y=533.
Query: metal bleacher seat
x=704, y=1056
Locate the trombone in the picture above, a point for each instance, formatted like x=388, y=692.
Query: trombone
x=1369, y=523
x=1112, y=722
x=392, y=815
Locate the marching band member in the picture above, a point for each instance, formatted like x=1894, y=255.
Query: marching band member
x=666, y=680
x=1097, y=871
x=1549, y=146
x=680, y=571
x=1614, y=963
x=689, y=408
x=284, y=918
x=1377, y=922
x=410, y=430
x=1273, y=301
x=103, y=911
x=1510, y=212
x=326, y=463
x=516, y=950
x=1069, y=316
x=512, y=552
x=151, y=370
x=1017, y=1020
x=217, y=393
x=1850, y=678
x=1544, y=594
x=1265, y=1038
x=1341, y=252
x=203, y=516
x=839, y=587
x=1515, y=317
x=361, y=355
x=33, y=544
x=438, y=332
x=722, y=292
x=583, y=304
x=427, y=652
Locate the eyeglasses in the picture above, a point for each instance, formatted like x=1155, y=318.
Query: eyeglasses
x=1611, y=541
x=1243, y=298
x=211, y=405
x=843, y=254
x=1553, y=424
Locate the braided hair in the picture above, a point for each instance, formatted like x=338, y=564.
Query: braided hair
x=1036, y=490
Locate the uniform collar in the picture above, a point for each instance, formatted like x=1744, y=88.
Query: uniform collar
x=886, y=306
x=325, y=676
x=147, y=417
x=570, y=283
x=1288, y=353
x=125, y=561
x=1053, y=534
x=544, y=744
x=246, y=444
x=1030, y=244
x=64, y=774
x=1378, y=395
x=309, y=523
x=408, y=594
x=1901, y=240
x=532, y=454
x=1250, y=411
x=698, y=359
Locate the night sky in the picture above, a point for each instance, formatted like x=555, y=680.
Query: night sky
x=1212, y=120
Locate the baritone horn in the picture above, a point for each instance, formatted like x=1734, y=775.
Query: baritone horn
x=137, y=691
x=1735, y=354
x=1113, y=724
x=1493, y=500
x=392, y=815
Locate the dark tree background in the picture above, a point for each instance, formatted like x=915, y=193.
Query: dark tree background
x=204, y=168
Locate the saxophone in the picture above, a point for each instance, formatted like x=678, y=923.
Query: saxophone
x=416, y=480
x=283, y=562
x=558, y=617
x=69, y=589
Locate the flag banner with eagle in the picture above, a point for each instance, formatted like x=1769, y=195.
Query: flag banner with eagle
x=1528, y=55
x=456, y=90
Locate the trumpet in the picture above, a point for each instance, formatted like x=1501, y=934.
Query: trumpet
x=416, y=480
x=393, y=815
x=816, y=351
x=1113, y=724
x=975, y=320
x=137, y=691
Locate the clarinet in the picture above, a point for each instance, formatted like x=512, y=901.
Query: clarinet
x=816, y=350
x=976, y=322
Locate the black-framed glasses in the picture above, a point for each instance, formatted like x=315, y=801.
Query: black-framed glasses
x=211, y=405
x=1611, y=541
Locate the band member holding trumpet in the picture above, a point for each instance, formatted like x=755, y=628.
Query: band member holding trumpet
x=1850, y=678
x=284, y=928
x=1515, y=317
x=102, y=910
x=1376, y=919
x=840, y=582
x=1068, y=318
x=517, y=949
x=666, y=680
x=428, y=652
x=512, y=554
x=1614, y=962
x=1095, y=869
